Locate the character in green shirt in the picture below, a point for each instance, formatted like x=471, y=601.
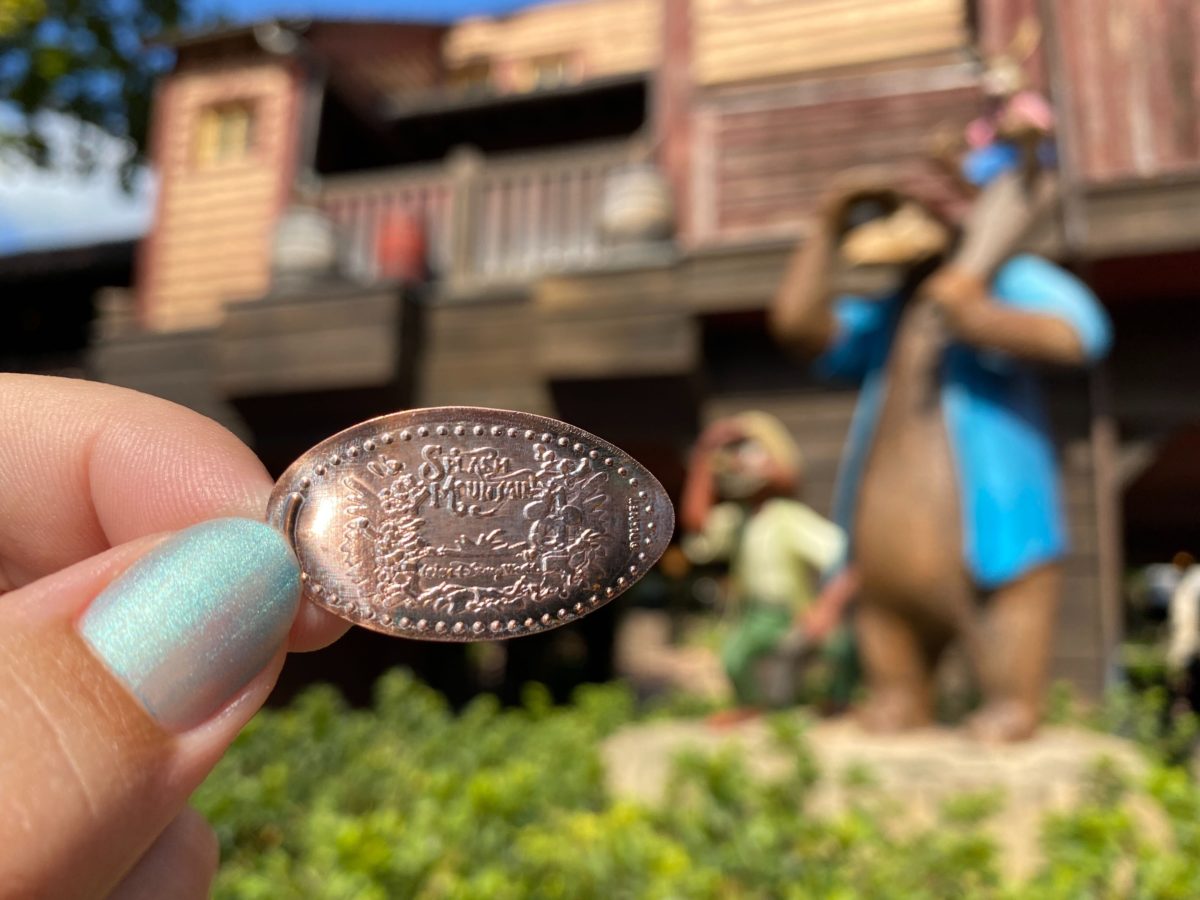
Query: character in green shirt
x=788, y=585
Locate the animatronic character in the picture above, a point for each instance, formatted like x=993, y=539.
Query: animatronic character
x=949, y=489
x=738, y=505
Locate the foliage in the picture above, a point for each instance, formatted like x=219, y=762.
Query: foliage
x=16, y=13
x=87, y=59
x=1145, y=715
x=413, y=800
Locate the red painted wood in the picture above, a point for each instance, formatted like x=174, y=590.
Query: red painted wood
x=770, y=164
x=672, y=106
x=1134, y=71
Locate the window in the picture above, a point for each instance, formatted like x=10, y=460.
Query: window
x=551, y=70
x=225, y=133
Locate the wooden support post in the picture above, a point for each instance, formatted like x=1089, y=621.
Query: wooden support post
x=672, y=106
x=1107, y=487
x=465, y=166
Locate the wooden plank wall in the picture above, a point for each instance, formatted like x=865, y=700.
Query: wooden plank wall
x=742, y=40
x=601, y=37
x=482, y=354
x=1133, y=71
x=1081, y=639
x=337, y=339
x=763, y=155
x=213, y=225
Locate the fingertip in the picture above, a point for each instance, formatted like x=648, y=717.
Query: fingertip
x=192, y=622
x=180, y=864
x=315, y=628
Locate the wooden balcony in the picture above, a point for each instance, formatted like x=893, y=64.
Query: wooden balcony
x=337, y=337
x=488, y=221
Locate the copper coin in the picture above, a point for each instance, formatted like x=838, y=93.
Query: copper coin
x=464, y=524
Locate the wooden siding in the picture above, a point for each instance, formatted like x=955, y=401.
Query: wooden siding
x=599, y=38
x=763, y=155
x=597, y=343
x=742, y=40
x=336, y=339
x=1085, y=639
x=1131, y=72
x=482, y=354
x=213, y=227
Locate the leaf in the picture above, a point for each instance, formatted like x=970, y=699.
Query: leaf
x=91, y=60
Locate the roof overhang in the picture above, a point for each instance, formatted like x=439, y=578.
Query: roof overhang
x=446, y=101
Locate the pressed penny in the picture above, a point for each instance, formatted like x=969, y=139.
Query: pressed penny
x=465, y=524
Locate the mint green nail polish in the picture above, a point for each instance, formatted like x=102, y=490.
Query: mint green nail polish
x=188, y=625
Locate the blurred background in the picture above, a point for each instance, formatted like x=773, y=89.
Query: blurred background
x=291, y=217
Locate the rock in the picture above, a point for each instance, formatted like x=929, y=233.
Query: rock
x=921, y=770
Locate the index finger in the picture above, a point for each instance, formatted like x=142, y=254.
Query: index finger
x=86, y=466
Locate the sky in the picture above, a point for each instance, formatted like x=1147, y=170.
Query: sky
x=62, y=207
x=43, y=209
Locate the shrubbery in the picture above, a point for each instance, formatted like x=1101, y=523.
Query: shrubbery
x=412, y=800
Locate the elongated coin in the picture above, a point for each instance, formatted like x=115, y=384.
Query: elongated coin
x=465, y=524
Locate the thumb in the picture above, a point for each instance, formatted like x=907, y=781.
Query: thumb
x=122, y=680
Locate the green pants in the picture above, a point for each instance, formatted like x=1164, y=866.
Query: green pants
x=757, y=636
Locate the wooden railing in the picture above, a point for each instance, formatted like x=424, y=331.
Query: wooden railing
x=495, y=219
x=361, y=203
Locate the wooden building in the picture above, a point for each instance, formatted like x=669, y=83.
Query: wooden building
x=514, y=143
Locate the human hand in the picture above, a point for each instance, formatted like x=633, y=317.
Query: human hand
x=818, y=623
x=699, y=488
x=954, y=293
x=850, y=186
x=719, y=434
x=796, y=642
x=131, y=653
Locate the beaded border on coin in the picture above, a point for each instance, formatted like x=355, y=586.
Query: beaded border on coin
x=369, y=444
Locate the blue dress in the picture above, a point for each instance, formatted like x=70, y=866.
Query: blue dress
x=999, y=438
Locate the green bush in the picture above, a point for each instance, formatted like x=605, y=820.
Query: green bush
x=412, y=800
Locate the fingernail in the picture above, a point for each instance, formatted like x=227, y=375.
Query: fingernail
x=189, y=624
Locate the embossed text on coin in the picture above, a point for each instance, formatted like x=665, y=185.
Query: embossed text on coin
x=464, y=524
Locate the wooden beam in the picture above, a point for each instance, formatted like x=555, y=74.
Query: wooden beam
x=607, y=345
x=1105, y=449
x=673, y=105
x=1142, y=216
x=328, y=340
